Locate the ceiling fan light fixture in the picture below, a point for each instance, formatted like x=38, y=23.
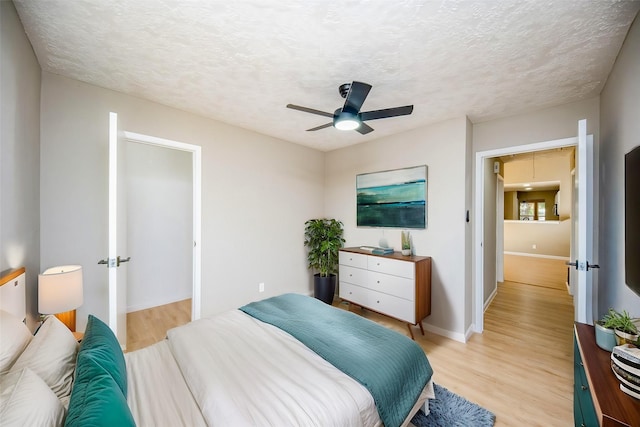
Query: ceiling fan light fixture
x=347, y=124
x=346, y=120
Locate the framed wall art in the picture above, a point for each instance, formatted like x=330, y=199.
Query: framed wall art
x=395, y=198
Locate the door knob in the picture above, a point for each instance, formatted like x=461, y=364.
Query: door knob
x=114, y=262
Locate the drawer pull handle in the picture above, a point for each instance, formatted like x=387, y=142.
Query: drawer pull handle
x=584, y=387
x=378, y=281
x=350, y=275
x=378, y=302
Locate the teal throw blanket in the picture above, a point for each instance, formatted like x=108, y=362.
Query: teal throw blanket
x=390, y=365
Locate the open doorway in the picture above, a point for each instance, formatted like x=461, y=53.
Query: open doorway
x=159, y=210
x=163, y=223
x=537, y=217
x=485, y=247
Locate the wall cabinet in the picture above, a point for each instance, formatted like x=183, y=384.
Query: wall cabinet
x=395, y=285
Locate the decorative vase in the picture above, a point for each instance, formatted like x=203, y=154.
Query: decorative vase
x=406, y=252
x=625, y=338
x=605, y=337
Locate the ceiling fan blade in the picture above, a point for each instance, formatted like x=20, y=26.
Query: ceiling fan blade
x=387, y=112
x=309, y=110
x=364, y=128
x=327, y=125
x=355, y=97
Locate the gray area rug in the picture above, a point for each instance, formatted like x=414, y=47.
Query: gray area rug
x=450, y=410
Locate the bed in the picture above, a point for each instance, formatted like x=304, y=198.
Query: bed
x=289, y=360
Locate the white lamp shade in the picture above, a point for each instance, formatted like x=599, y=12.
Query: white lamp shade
x=60, y=289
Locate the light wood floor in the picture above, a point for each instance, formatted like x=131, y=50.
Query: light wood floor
x=146, y=327
x=520, y=368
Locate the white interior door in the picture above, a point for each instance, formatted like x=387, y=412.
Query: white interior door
x=584, y=263
x=500, y=229
x=117, y=234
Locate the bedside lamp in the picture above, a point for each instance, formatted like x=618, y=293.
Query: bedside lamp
x=60, y=293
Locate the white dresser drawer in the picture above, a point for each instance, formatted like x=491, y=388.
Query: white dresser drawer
x=357, y=276
x=352, y=259
x=353, y=293
x=391, y=285
x=392, y=266
x=393, y=306
x=398, y=308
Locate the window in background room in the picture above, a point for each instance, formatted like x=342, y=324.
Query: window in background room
x=532, y=210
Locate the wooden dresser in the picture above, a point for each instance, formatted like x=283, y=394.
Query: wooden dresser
x=395, y=285
x=598, y=399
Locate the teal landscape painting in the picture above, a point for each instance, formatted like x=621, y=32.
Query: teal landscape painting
x=396, y=198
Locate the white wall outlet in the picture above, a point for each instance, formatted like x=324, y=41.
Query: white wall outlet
x=534, y=246
x=260, y=287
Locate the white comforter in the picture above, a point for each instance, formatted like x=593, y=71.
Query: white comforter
x=243, y=372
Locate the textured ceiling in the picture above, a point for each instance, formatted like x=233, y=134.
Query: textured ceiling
x=242, y=61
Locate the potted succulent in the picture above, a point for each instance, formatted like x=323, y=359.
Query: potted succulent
x=406, y=243
x=605, y=337
x=625, y=329
x=323, y=238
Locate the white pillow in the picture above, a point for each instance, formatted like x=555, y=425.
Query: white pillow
x=14, y=337
x=25, y=400
x=52, y=355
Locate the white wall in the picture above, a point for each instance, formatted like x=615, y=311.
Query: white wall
x=19, y=154
x=442, y=147
x=468, y=237
x=551, y=238
x=159, y=195
x=620, y=130
x=257, y=192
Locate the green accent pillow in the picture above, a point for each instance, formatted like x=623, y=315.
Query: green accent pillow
x=96, y=399
x=102, y=345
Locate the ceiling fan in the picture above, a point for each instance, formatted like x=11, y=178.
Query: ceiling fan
x=349, y=116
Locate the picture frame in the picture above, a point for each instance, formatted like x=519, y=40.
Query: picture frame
x=392, y=199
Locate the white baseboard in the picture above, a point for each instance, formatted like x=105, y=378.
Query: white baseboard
x=534, y=255
x=491, y=298
x=445, y=333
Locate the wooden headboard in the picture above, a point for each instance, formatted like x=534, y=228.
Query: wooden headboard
x=13, y=296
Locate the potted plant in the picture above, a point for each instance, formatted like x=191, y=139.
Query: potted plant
x=605, y=337
x=406, y=243
x=625, y=329
x=323, y=238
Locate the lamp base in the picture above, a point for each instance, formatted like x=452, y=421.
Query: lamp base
x=68, y=318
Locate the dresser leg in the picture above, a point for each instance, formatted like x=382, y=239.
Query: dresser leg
x=410, y=331
x=421, y=329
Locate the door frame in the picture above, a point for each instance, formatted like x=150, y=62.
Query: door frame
x=478, y=251
x=196, y=157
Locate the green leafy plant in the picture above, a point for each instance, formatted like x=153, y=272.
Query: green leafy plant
x=620, y=321
x=406, y=240
x=324, y=239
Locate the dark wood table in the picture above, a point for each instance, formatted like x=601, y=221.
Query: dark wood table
x=612, y=405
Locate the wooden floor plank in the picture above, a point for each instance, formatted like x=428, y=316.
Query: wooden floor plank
x=146, y=327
